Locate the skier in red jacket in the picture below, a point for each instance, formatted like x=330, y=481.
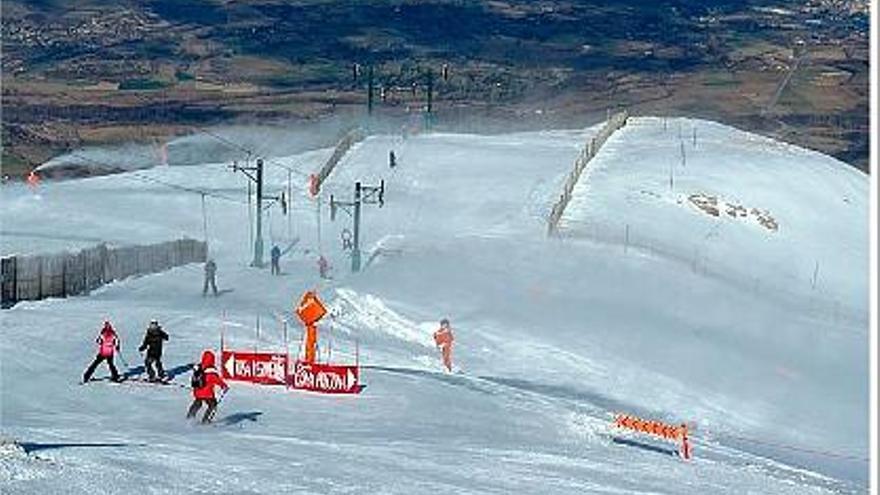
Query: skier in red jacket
x=204, y=379
x=108, y=344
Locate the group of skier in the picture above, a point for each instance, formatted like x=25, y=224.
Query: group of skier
x=204, y=378
x=108, y=345
x=276, y=253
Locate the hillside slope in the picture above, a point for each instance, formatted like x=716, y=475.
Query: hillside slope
x=553, y=335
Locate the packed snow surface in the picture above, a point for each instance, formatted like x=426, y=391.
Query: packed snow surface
x=754, y=332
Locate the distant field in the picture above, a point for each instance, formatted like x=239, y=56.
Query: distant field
x=72, y=74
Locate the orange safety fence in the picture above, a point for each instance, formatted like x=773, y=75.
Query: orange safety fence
x=657, y=429
x=681, y=434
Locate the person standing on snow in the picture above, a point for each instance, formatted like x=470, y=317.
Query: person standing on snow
x=276, y=258
x=210, y=277
x=153, y=345
x=204, y=379
x=323, y=267
x=443, y=339
x=108, y=344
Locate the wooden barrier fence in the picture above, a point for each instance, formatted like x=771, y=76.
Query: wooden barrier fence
x=350, y=139
x=35, y=277
x=590, y=150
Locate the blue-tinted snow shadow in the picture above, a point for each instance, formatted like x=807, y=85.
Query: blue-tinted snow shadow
x=495, y=385
x=133, y=371
x=30, y=447
x=177, y=370
x=236, y=418
x=170, y=373
x=644, y=446
x=447, y=378
x=586, y=397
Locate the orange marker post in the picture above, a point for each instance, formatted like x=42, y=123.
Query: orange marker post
x=685, y=448
x=311, y=343
x=309, y=311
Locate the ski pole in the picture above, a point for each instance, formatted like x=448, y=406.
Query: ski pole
x=124, y=362
x=219, y=400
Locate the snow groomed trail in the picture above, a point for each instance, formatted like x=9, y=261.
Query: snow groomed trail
x=645, y=304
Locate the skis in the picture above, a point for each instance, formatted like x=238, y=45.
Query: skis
x=210, y=417
x=158, y=381
x=105, y=379
x=137, y=380
x=161, y=381
x=138, y=374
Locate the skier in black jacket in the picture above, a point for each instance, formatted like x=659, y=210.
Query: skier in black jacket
x=153, y=345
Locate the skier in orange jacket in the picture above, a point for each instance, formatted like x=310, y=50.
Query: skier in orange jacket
x=443, y=339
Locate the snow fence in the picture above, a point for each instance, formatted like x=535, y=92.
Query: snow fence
x=350, y=139
x=35, y=277
x=590, y=150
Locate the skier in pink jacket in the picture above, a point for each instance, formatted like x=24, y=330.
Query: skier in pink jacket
x=108, y=344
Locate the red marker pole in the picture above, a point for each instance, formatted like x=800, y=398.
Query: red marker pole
x=685, y=450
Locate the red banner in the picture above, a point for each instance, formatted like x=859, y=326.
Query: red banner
x=325, y=378
x=267, y=368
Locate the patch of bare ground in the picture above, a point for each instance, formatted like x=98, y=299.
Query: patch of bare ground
x=711, y=205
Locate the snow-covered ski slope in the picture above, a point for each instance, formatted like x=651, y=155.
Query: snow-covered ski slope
x=644, y=304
